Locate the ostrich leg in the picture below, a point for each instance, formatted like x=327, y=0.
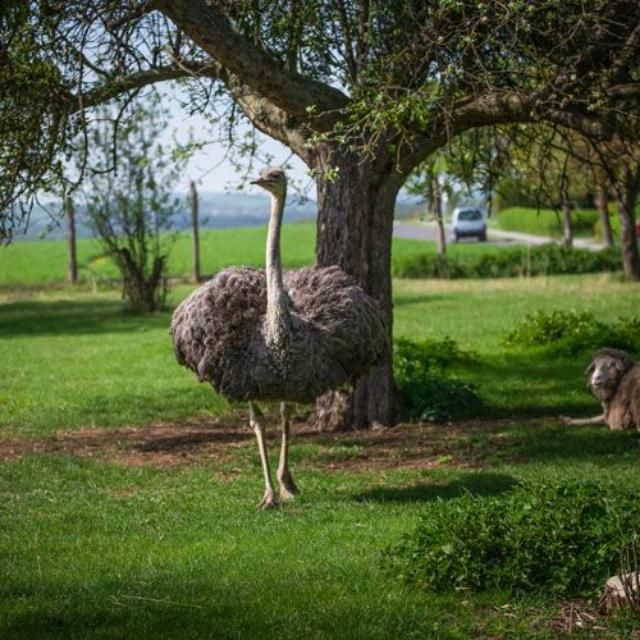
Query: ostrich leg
x=288, y=487
x=255, y=419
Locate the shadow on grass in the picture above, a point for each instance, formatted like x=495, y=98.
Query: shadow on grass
x=479, y=484
x=531, y=384
x=586, y=444
x=72, y=317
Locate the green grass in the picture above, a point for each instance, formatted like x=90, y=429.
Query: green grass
x=72, y=359
x=85, y=360
x=93, y=548
x=545, y=222
x=44, y=262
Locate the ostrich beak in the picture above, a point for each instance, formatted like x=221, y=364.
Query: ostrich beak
x=257, y=180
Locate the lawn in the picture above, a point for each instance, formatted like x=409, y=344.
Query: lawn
x=128, y=491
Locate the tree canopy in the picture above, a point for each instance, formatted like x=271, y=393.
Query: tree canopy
x=410, y=73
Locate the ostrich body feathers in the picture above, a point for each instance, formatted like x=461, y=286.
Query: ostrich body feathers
x=336, y=334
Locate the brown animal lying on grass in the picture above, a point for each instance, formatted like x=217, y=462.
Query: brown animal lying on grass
x=614, y=378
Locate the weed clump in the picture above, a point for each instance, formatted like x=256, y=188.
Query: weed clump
x=429, y=391
x=571, y=332
x=561, y=538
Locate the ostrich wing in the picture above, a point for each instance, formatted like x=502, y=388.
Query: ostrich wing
x=353, y=329
x=213, y=330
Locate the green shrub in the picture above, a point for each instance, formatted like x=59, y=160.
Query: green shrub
x=545, y=222
x=548, y=259
x=559, y=538
x=428, y=391
x=570, y=332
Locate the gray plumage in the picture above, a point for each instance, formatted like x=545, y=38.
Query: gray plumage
x=336, y=333
x=264, y=335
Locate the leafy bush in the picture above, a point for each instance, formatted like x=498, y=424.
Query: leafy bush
x=545, y=222
x=560, y=538
x=548, y=259
x=429, y=393
x=571, y=332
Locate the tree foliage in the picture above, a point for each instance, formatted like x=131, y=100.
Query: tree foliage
x=130, y=207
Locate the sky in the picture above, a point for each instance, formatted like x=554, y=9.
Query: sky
x=208, y=166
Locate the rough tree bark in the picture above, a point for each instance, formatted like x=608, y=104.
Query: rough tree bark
x=626, y=190
x=355, y=223
x=602, y=204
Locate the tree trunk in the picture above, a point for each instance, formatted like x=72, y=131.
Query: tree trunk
x=146, y=292
x=436, y=208
x=70, y=214
x=626, y=191
x=567, y=228
x=193, y=200
x=355, y=226
x=602, y=203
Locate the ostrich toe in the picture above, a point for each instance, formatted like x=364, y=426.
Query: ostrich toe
x=268, y=500
x=288, y=488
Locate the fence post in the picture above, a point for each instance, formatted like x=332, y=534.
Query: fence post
x=70, y=215
x=193, y=199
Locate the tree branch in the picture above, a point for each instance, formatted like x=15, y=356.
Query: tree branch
x=505, y=108
x=299, y=96
x=122, y=84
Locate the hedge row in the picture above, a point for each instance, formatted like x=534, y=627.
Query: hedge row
x=548, y=259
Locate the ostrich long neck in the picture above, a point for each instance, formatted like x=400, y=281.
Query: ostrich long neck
x=278, y=318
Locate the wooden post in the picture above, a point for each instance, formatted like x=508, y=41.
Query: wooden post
x=193, y=198
x=72, y=275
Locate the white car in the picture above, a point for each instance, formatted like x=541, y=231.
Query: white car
x=468, y=222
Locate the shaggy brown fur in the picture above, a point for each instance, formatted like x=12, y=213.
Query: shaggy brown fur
x=614, y=378
x=337, y=333
x=621, y=395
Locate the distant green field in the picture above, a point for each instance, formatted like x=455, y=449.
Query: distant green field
x=45, y=261
x=545, y=222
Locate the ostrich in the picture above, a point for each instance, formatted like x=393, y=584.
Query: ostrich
x=267, y=336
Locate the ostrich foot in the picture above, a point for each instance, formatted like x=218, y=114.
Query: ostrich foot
x=268, y=500
x=288, y=489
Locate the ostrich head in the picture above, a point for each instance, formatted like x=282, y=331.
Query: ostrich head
x=273, y=180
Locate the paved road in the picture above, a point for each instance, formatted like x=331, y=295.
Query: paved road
x=428, y=231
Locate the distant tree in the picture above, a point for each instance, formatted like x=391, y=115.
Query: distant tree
x=429, y=182
x=130, y=208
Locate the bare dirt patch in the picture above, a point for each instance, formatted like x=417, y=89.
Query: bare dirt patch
x=218, y=440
